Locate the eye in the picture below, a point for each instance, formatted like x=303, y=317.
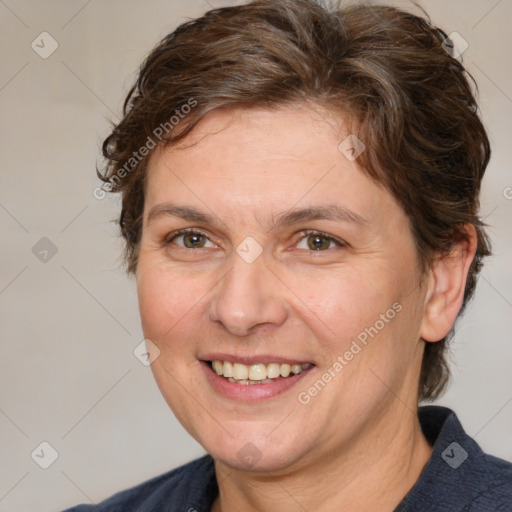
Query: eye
x=189, y=239
x=317, y=241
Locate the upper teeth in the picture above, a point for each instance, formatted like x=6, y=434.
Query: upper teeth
x=240, y=371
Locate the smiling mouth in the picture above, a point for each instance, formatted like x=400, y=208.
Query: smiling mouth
x=256, y=373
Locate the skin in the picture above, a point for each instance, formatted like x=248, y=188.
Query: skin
x=356, y=445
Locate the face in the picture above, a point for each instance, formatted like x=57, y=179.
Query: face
x=268, y=257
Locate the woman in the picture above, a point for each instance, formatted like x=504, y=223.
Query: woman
x=300, y=208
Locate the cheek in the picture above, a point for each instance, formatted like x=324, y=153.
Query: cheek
x=345, y=301
x=369, y=314
x=166, y=301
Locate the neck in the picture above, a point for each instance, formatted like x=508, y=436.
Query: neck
x=352, y=477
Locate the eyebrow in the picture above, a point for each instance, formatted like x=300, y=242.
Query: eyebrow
x=287, y=218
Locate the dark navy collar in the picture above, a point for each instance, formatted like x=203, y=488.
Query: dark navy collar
x=459, y=476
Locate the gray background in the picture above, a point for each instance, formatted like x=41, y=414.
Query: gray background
x=69, y=324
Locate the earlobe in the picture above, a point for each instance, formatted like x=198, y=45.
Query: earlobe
x=447, y=281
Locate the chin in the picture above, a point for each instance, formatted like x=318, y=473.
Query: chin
x=256, y=452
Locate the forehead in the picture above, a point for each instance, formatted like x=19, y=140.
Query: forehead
x=264, y=161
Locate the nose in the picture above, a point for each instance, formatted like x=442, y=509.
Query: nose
x=249, y=298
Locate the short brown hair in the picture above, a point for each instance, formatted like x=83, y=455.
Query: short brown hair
x=385, y=70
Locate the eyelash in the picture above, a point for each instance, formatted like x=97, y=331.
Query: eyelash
x=303, y=234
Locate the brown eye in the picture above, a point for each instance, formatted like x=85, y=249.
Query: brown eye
x=190, y=240
x=316, y=241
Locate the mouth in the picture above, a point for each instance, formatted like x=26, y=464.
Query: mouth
x=259, y=373
x=253, y=380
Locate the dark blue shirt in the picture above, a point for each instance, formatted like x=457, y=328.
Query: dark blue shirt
x=459, y=477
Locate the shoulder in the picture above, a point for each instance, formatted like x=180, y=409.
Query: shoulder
x=492, y=482
x=188, y=487
x=459, y=476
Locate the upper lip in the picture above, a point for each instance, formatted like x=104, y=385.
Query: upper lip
x=252, y=359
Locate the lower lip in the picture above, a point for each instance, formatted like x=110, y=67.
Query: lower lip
x=250, y=392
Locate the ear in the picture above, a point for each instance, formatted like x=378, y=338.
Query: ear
x=446, y=284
